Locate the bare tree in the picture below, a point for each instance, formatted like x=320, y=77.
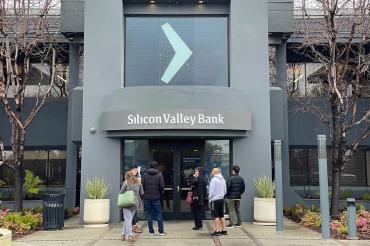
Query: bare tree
x=27, y=35
x=339, y=40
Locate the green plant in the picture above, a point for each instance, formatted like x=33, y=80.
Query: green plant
x=298, y=211
x=312, y=219
x=31, y=183
x=343, y=229
x=314, y=208
x=318, y=194
x=96, y=188
x=366, y=196
x=360, y=207
x=265, y=187
x=347, y=194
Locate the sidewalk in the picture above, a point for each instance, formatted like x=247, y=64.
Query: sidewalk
x=181, y=234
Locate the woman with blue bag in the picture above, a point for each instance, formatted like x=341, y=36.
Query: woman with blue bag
x=131, y=184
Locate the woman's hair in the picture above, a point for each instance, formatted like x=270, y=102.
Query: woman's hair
x=130, y=178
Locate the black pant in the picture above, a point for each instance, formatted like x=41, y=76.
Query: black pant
x=198, y=213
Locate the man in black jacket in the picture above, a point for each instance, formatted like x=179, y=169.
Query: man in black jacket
x=153, y=185
x=235, y=188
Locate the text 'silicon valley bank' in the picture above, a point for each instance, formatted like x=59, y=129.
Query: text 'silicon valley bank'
x=182, y=53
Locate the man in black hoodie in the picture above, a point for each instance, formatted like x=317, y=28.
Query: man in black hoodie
x=153, y=185
x=235, y=188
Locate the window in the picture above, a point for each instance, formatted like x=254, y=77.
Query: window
x=136, y=153
x=217, y=154
x=304, y=168
x=199, y=45
x=49, y=165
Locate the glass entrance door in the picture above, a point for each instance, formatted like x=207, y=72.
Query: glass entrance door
x=176, y=160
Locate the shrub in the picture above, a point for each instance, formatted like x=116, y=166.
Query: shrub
x=347, y=194
x=265, y=187
x=343, y=229
x=314, y=208
x=312, y=219
x=31, y=183
x=360, y=207
x=366, y=196
x=318, y=194
x=96, y=188
x=26, y=221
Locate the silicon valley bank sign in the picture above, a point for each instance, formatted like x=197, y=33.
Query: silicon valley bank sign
x=178, y=118
x=175, y=119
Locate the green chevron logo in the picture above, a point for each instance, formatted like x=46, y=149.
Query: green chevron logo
x=182, y=53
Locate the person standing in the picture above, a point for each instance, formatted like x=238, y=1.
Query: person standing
x=153, y=185
x=131, y=183
x=199, y=193
x=235, y=188
x=135, y=170
x=217, y=191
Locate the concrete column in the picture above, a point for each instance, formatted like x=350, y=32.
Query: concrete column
x=103, y=72
x=71, y=167
x=249, y=72
x=290, y=196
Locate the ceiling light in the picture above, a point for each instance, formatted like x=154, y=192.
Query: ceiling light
x=200, y=1
x=152, y=1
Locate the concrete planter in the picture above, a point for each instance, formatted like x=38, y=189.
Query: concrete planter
x=96, y=212
x=5, y=237
x=264, y=211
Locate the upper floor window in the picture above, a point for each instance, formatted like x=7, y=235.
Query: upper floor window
x=162, y=51
x=308, y=80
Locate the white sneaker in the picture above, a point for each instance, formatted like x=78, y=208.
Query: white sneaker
x=151, y=234
x=162, y=234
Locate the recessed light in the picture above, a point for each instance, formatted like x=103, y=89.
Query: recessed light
x=200, y=1
x=152, y=1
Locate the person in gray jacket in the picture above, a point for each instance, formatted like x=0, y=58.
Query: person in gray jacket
x=217, y=191
x=131, y=183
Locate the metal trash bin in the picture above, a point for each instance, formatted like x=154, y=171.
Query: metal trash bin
x=52, y=211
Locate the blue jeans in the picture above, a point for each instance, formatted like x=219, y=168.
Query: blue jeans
x=153, y=211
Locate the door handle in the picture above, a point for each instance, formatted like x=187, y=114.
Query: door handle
x=178, y=189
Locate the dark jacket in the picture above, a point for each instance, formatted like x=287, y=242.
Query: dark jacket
x=153, y=184
x=199, y=188
x=235, y=187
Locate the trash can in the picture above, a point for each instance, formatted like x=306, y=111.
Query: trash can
x=52, y=211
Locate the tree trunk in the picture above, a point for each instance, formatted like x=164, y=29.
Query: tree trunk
x=335, y=185
x=18, y=140
x=18, y=182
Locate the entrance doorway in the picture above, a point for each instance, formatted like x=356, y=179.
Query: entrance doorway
x=176, y=161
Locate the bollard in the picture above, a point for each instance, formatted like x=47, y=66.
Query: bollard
x=351, y=218
x=278, y=186
x=323, y=178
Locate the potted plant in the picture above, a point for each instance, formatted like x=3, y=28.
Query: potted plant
x=264, y=203
x=96, y=208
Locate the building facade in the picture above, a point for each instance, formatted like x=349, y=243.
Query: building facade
x=186, y=83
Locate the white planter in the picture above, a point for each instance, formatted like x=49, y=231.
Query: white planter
x=264, y=211
x=5, y=237
x=96, y=212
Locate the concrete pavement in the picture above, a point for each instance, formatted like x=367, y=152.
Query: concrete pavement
x=179, y=233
